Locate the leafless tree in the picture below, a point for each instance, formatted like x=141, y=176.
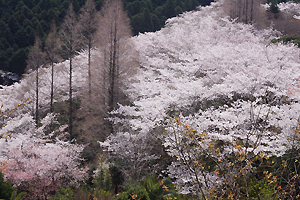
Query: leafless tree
x=89, y=24
x=52, y=48
x=245, y=11
x=112, y=62
x=35, y=60
x=118, y=56
x=71, y=41
x=116, y=48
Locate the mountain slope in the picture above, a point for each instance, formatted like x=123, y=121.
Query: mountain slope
x=222, y=77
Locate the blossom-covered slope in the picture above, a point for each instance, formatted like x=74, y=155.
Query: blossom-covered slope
x=289, y=8
x=224, y=78
x=221, y=76
x=32, y=158
x=11, y=96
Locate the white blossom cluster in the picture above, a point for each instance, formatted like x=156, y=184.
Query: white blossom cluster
x=221, y=77
x=289, y=8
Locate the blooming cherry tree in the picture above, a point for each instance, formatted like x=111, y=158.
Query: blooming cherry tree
x=224, y=78
x=36, y=164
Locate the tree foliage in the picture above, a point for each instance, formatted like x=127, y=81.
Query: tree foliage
x=21, y=21
x=229, y=83
x=36, y=164
x=210, y=102
x=6, y=188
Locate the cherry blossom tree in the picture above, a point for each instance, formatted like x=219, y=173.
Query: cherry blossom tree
x=222, y=77
x=35, y=163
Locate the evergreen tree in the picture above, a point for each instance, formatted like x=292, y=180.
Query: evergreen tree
x=134, y=7
x=169, y=8
x=178, y=10
x=156, y=22
x=17, y=61
x=5, y=32
x=136, y=23
x=148, y=24
x=6, y=188
x=149, y=5
x=14, y=25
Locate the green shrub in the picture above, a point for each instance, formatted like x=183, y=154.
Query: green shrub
x=63, y=194
x=16, y=196
x=103, y=179
x=133, y=192
x=101, y=194
x=6, y=188
x=287, y=39
x=158, y=189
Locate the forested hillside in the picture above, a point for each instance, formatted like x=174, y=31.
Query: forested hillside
x=205, y=108
x=22, y=20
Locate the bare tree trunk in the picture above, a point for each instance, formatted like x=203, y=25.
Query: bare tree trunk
x=52, y=90
x=89, y=69
x=71, y=37
x=243, y=10
x=52, y=48
x=246, y=14
x=251, y=12
x=71, y=101
x=89, y=22
x=37, y=95
x=35, y=60
x=114, y=77
x=109, y=68
x=240, y=10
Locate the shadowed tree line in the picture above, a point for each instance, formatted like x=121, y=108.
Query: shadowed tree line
x=22, y=20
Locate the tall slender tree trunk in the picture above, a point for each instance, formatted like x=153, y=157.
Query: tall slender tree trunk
x=51, y=93
x=37, y=96
x=35, y=60
x=88, y=22
x=71, y=43
x=89, y=68
x=246, y=13
x=111, y=71
x=70, y=99
x=251, y=12
x=114, y=64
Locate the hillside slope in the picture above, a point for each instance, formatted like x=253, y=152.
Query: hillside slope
x=225, y=79
x=221, y=77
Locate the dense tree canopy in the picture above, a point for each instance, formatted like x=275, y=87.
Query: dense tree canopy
x=209, y=95
x=22, y=20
